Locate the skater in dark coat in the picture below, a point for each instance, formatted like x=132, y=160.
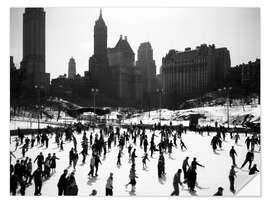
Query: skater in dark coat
x=97, y=162
x=253, y=170
x=236, y=138
x=71, y=188
x=62, y=183
x=194, y=164
x=144, y=158
x=247, y=142
x=185, y=166
x=109, y=186
x=191, y=179
x=120, y=153
x=232, y=176
x=37, y=175
x=13, y=184
x=214, y=143
x=40, y=160
x=176, y=182
x=232, y=155
x=75, y=159
x=53, y=162
x=249, y=158
x=71, y=156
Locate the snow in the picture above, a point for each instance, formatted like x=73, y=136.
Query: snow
x=211, y=113
x=214, y=175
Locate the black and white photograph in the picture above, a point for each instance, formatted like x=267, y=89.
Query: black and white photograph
x=134, y=101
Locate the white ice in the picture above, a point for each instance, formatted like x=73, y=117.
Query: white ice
x=214, y=175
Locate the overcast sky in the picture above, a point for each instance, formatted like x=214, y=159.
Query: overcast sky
x=69, y=32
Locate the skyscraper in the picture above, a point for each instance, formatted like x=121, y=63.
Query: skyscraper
x=147, y=67
x=100, y=38
x=71, y=68
x=33, y=63
x=98, y=63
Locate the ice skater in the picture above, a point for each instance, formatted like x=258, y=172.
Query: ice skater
x=232, y=177
x=232, y=155
x=249, y=159
x=144, y=158
x=176, y=182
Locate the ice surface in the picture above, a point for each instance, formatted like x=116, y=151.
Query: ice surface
x=214, y=175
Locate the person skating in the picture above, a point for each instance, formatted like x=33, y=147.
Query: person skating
x=176, y=182
x=236, y=138
x=253, y=170
x=132, y=177
x=133, y=156
x=194, y=164
x=219, y=192
x=47, y=166
x=214, y=143
x=170, y=145
x=92, y=165
x=144, y=158
x=97, y=162
x=62, y=183
x=120, y=153
x=191, y=179
x=40, y=160
x=232, y=155
x=13, y=184
x=75, y=159
x=129, y=151
x=145, y=144
x=247, y=142
x=53, y=162
x=71, y=156
x=71, y=188
x=33, y=139
x=29, y=167
x=16, y=143
x=182, y=145
x=37, y=175
x=232, y=176
x=109, y=186
x=61, y=145
x=249, y=158
x=185, y=167
x=161, y=166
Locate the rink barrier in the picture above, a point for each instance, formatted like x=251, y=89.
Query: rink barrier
x=28, y=131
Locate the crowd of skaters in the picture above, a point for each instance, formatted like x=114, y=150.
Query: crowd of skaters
x=96, y=146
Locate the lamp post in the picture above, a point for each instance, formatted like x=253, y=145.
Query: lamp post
x=94, y=91
x=227, y=92
x=160, y=92
x=37, y=87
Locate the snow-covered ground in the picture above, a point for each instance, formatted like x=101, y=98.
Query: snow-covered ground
x=214, y=175
x=211, y=114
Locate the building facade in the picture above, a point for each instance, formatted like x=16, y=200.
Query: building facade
x=190, y=73
x=33, y=63
x=146, y=65
x=98, y=63
x=71, y=68
x=126, y=78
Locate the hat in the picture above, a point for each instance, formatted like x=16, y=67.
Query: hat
x=220, y=188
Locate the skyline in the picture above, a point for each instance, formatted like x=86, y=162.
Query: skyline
x=238, y=29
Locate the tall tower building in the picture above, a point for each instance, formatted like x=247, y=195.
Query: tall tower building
x=147, y=67
x=100, y=38
x=98, y=63
x=33, y=63
x=71, y=68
